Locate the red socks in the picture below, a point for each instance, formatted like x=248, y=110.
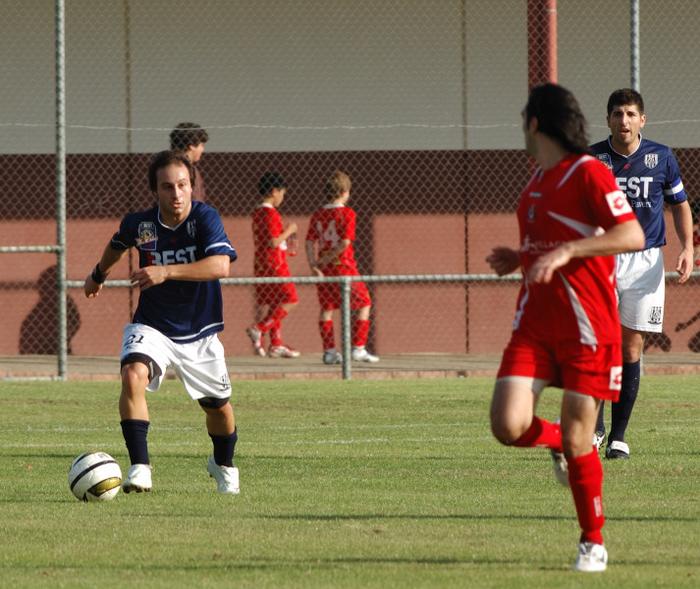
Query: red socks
x=586, y=481
x=361, y=332
x=541, y=433
x=273, y=317
x=327, y=334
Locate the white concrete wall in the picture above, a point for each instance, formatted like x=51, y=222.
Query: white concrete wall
x=272, y=75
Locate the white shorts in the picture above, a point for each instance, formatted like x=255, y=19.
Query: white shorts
x=641, y=289
x=200, y=365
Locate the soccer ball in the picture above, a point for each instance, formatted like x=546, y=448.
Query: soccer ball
x=94, y=476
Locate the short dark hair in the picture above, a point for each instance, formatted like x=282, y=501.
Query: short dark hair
x=559, y=116
x=270, y=181
x=163, y=159
x=186, y=134
x=625, y=96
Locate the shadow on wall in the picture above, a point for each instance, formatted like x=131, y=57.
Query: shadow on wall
x=39, y=331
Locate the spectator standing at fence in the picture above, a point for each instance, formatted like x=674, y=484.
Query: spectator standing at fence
x=272, y=301
x=566, y=331
x=190, y=139
x=330, y=252
x=183, y=252
x=648, y=173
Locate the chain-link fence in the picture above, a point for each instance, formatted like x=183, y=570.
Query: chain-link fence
x=419, y=101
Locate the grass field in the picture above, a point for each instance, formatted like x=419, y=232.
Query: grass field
x=362, y=484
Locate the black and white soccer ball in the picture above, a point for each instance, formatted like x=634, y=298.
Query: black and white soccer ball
x=94, y=476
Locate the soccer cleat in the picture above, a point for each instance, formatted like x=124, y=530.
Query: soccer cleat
x=598, y=439
x=283, y=352
x=138, y=479
x=617, y=449
x=255, y=336
x=561, y=468
x=332, y=357
x=226, y=477
x=591, y=558
x=360, y=354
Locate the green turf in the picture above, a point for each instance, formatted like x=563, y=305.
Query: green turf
x=362, y=484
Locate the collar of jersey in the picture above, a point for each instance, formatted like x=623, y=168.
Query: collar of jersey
x=160, y=221
x=332, y=205
x=266, y=205
x=622, y=155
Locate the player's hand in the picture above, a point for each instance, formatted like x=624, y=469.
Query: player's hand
x=149, y=276
x=317, y=271
x=292, y=227
x=544, y=267
x=91, y=288
x=685, y=265
x=503, y=260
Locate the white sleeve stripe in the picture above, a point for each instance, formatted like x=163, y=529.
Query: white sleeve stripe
x=218, y=244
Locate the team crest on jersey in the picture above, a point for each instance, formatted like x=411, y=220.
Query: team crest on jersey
x=656, y=315
x=651, y=160
x=147, y=236
x=606, y=160
x=192, y=228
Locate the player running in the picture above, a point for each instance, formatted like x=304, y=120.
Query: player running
x=648, y=174
x=183, y=252
x=566, y=332
x=330, y=252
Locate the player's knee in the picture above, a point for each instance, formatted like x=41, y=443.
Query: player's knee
x=506, y=430
x=213, y=404
x=134, y=376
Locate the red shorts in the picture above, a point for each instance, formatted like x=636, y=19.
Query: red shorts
x=275, y=294
x=329, y=296
x=590, y=370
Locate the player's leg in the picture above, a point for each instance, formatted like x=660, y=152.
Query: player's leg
x=329, y=301
x=362, y=303
x=288, y=301
x=513, y=419
x=578, y=420
x=641, y=289
x=202, y=368
x=143, y=362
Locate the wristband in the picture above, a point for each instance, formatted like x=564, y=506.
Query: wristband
x=97, y=274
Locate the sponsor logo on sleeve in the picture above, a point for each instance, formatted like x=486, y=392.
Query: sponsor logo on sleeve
x=605, y=159
x=618, y=203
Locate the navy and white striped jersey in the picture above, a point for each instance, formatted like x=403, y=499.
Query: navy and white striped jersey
x=649, y=177
x=183, y=311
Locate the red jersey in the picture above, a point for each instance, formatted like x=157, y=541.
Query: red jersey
x=577, y=198
x=267, y=224
x=329, y=226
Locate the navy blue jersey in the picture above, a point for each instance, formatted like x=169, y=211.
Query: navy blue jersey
x=649, y=177
x=184, y=311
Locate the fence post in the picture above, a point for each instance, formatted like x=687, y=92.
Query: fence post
x=347, y=334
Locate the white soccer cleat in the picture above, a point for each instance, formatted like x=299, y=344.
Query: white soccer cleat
x=591, y=558
x=283, y=352
x=138, y=479
x=617, y=449
x=561, y=468
x=226, y=477
x=255, y=336
x=360, y=354
x=332, y=357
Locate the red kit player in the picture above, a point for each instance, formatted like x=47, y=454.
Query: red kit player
x=566, y=332
x=330, y=252
x=273, y=301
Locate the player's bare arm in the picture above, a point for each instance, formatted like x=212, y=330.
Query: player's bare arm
x=683, y=222
x=110, y=258
x=625, y=237
x=311, y=258
x=333, y=254
x=503, y=260
x=209, y=268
